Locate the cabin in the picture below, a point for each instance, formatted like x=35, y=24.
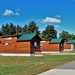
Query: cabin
x=28, y=43
x=25, y=45
x=69, y=45
x=53, y=45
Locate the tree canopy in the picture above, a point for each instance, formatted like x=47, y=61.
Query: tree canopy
x=66, y=35
x=32, y=28
x=49, y=32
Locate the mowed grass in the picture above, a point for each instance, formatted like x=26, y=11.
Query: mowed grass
x=31, y=65
x=73, y=51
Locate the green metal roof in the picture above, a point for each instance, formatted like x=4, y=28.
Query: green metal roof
x=71, y=41
x=26, y=37
x=56, y=40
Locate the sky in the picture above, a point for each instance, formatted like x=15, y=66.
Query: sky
x=59, y=13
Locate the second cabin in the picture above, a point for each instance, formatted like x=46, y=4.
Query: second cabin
x=69, y=45
x=54, y=45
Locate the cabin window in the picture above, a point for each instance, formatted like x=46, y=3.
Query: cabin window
x=61, y=46
x=8, y=38
x=6, y=44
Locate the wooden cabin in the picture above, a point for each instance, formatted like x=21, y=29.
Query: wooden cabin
x=69, y=45
x=25, y=45
x=28, y=43
x=54, y=45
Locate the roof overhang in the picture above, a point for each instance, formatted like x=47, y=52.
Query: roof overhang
x=8, y=36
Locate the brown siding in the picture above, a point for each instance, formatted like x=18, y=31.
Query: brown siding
x=67, y=46
x=14, y=46
x=1, y=47
x=11, y=45
x=23, y=47
x=55, y=47
x=49, y=47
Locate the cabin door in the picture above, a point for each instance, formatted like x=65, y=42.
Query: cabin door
x=35, y=46
x=61, y=47
x=72, y=46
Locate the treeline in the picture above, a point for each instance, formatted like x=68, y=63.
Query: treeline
x=11, y=29
x=48, y=33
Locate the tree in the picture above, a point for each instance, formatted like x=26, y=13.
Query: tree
x=49, y=32
x=25, y=29
x=65, y=35
x=18, y=29
x=8, y=29
x=32, y=28
x=5, y=29
x=0, y=31
x=12, y=29
x=72, y=36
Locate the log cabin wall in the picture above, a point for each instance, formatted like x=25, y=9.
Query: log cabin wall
x=55, y=47
x=8, y=44
x=67, y=46
x=23, y=47
x=1, y=47
x=12, y=46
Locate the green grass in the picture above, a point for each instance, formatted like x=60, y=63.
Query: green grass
x=73, y=51
x=31, y=65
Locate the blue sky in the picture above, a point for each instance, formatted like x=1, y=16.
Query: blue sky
x=60, y=13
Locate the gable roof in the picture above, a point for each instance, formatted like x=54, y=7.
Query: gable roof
x=71, y=41
x=56, y=40
x=26, y=37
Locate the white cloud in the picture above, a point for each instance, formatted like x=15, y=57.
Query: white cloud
x=51, y=20
x=58, y=16
x=17, y=14
x=57, y=26
x=8, y=12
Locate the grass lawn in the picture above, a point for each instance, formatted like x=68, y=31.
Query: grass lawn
x=31, y=65
x=73, y=51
